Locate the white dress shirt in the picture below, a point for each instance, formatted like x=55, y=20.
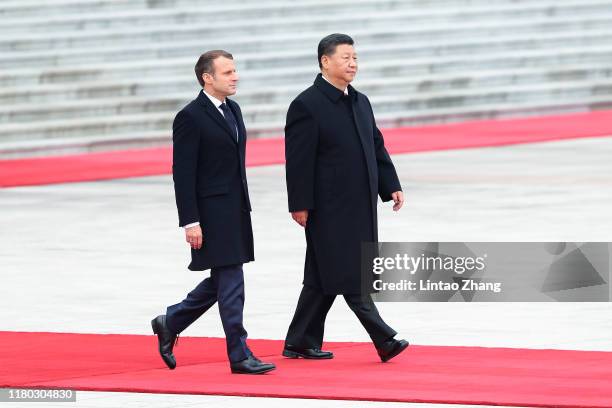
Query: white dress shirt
x=215, y=101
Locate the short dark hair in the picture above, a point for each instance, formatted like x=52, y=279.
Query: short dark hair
x=205, y=63
x=327, y=46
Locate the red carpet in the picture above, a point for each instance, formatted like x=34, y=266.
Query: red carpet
x=147, y=162
x=466, y=375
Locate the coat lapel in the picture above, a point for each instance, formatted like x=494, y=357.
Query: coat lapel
x=241, y=129
x=366, y=136
x=214, y=113
x=364, y=129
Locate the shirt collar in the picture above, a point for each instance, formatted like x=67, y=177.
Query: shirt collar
x=345, y=89
x=214, y=100
x=334, y=94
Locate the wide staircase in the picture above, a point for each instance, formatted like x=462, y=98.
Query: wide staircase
x=85, y=75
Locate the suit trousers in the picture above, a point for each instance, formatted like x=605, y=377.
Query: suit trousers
x=226, y=286
x=308, y=324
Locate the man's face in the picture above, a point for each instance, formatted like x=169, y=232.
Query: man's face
x=225, y=79
x=342, y=64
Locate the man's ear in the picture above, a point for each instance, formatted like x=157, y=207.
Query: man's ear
x=324, y=61
x=204, y=77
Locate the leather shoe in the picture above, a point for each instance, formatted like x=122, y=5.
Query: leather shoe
x=165, y=340
x=391, y=348
x=309, y=353
x=251, y=365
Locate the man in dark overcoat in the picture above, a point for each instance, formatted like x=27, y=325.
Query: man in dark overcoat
x=336, y=166
x=212, y=197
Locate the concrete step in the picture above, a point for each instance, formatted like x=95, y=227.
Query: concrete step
x=15, y=9
x=42, y=8
x=141, y=139
x=101, y=72
x=77, y=145
x=266, y=80
x=246, y=46
x=260, y=61
x=491, y=111
x=274, y=13
x=121, y=18
x=209, y=32
x=275, y=113
x=431, y=102
x=50, y=109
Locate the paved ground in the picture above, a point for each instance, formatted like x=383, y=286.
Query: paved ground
x=105, y=257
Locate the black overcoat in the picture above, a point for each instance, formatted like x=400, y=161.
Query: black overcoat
x=336, y=166
x=210, y=183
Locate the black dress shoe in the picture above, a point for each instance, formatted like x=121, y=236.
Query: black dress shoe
x=310, y=353
x=165, y=340
x=391, y=348
x=251, y=365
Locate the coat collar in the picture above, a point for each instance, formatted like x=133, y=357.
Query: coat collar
x=213, y=112
x=205, y=101
x=334, y=94
x=217, y=103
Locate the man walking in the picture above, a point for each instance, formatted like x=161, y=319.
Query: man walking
x=213, y=206
x=336, y=165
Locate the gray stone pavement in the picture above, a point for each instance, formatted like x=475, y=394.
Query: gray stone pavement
x=105, y=257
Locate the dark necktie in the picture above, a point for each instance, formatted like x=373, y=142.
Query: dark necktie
x=230, y=119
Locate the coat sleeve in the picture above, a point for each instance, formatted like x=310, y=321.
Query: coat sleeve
x=388, y=182
x=301, y=141
x=186, y=141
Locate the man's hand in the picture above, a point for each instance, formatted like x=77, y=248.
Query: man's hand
x=301, y=217
x=398, y=199
x=193, y=235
